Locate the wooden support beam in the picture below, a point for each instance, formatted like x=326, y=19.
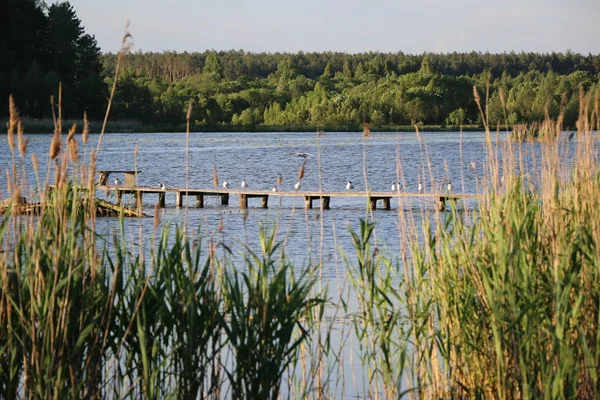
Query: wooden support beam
x=442, y=204
x=265, y=202
x=161, y=199
x=179, y=199
x=243, y=201
x=138, y=200
x=200, y=201
x=386, y=203
x=373, y=203
x=225, y=199
x=308, y=202
x=326, y=200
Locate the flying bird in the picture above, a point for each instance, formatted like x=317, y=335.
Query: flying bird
x=303, y=155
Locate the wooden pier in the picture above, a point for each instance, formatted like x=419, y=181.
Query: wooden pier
x=244, y=196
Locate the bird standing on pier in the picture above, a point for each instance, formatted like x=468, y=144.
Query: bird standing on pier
x=297, y=186
x=395, y=187
x=349, y=185
x=244, y=184
x=226, y=185
x=163, y=186
x=117, y=183
x=420, y=187
x=274, y=188
x=449, y=186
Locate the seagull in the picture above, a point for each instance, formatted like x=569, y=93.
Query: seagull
x=349, y=185
x=274, y=188
x=303, y=155
x=244, y=184
x=449, y=186
x=420, y=187
x=226, y=185
x=159, y=184
x=117, y=183
x=163, y=186
x=297, y=185
x=395, y=187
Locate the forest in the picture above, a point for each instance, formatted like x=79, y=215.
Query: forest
x=235, y=89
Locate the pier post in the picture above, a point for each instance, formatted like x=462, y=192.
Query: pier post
x=119, y=196
x=386, y=203
x=325, y=200
x=161, y=200
x=243, y=201
x=138, y=199
x=179, y=199
x=373, y=203
x=200, y=201
x=308, y=202
x=225, y=199
x=265, y=202
x=442, y=204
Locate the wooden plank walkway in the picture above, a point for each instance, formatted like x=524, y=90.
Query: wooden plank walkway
x=244, y=195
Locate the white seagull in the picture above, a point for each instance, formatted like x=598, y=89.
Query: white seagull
x=226, y=185
x=297, y=185
x=244, y=184
x=349, y=185
x=274, y=188
x=395, y=187
x=303, y=155
x=163, y=186
x=117, y=183
x=449, y=186
x=420, y=187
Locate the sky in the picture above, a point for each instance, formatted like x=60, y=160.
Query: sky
x=351, y=26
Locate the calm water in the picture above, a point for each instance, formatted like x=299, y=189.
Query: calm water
x=260, y=158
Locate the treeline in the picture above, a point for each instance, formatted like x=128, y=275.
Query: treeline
x=41, y=46
x=338, y=89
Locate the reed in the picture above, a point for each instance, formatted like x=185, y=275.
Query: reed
x=500, y=301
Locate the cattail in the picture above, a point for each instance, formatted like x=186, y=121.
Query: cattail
x=502, y=94
x=366, y=130
x=221, y=225
x=12, y=123
x=215, y=177
x=86, y=129
x=279, y=179
x=55, y=145
x=72, y=144
x=476, y=95
x=189, y=111
x=301, y=171
x=34, y=161
x=21, y=140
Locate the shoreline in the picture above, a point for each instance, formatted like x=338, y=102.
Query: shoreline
x=130, y=126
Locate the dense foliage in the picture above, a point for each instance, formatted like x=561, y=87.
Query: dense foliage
x=345, y=90
x=41, y=46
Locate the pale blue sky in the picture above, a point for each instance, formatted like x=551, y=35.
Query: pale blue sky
x=411, y=26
